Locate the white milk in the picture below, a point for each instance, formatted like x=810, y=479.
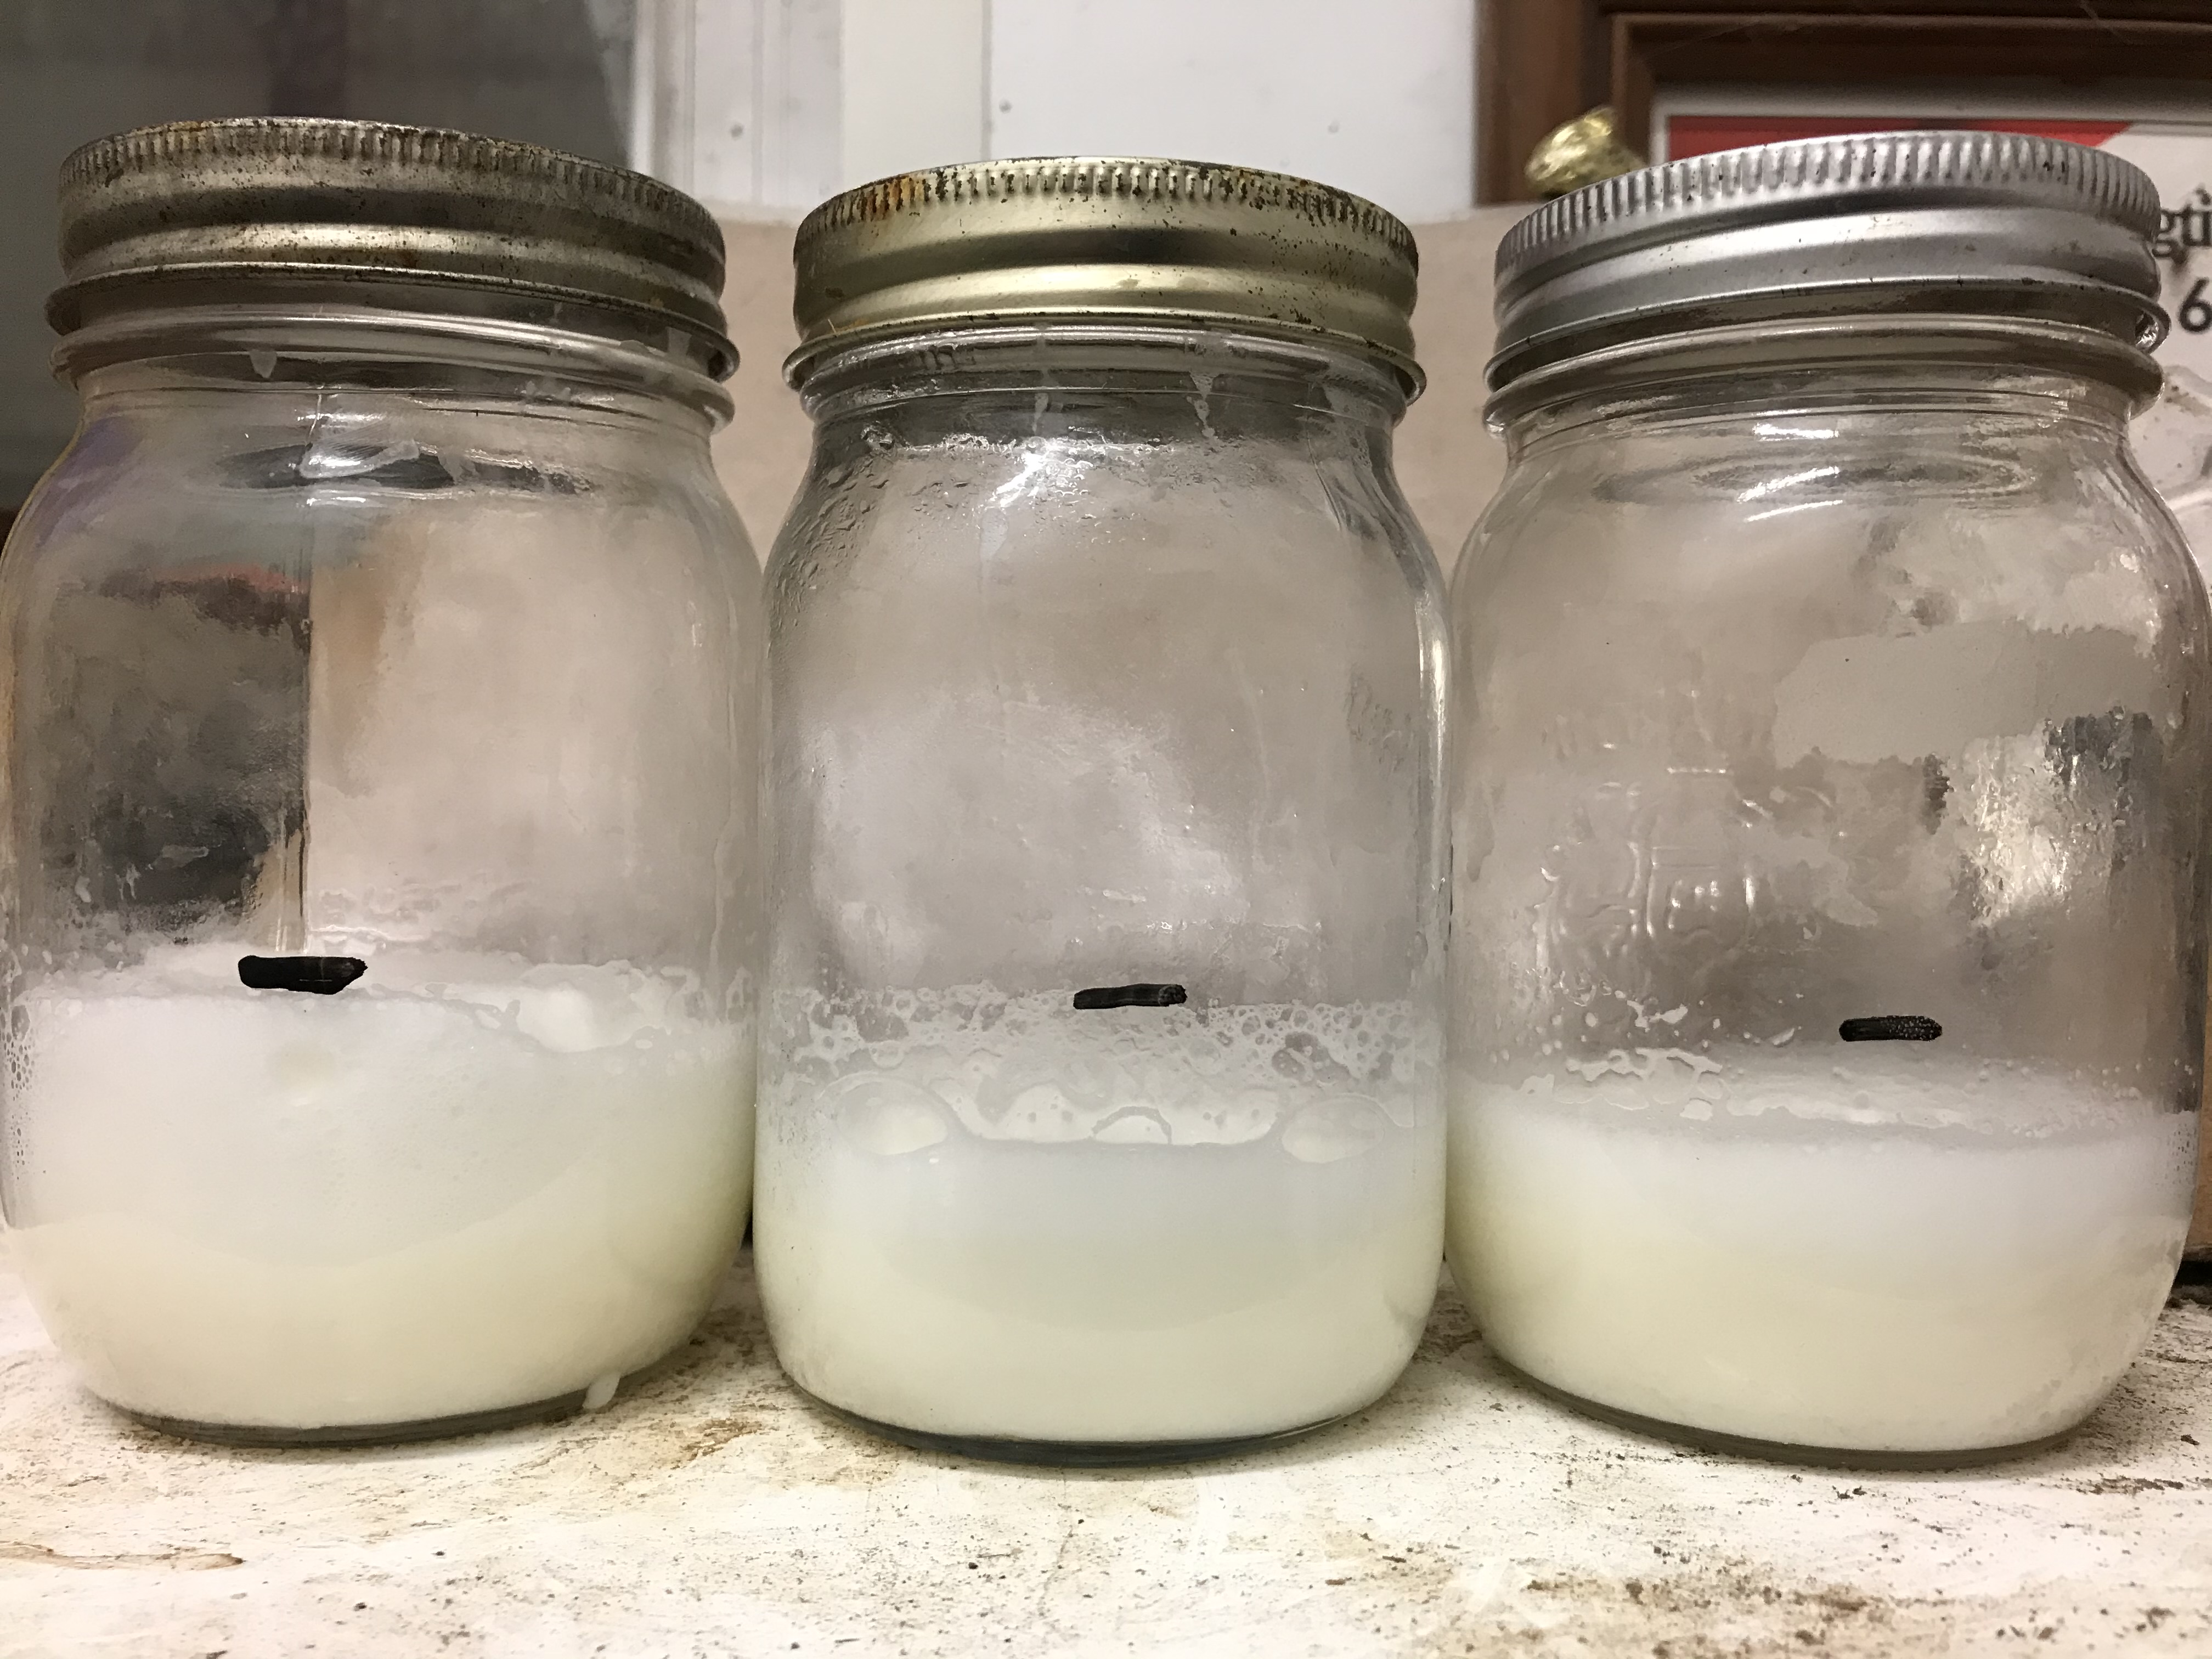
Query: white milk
x=1858, y=1249
x=459, y=1185
x=1004, y=1218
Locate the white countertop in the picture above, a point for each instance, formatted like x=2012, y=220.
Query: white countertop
x=710, y=1511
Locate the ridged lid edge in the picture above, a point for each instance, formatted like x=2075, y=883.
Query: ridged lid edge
x=1846, y=170
x=1087, y=178
x=178, y=143
x=1129, y=237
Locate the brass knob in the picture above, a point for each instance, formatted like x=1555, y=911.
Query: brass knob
x=1579, y=152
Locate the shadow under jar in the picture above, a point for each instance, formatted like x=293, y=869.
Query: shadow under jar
x=379, y=884
x=1828, y=804
x=1101, y=1108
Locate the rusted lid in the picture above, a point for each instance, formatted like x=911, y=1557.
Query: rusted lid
x=371, y=206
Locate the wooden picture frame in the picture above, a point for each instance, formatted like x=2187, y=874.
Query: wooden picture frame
x=1542, y=62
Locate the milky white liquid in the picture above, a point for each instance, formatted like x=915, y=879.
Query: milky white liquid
x=459, y=1185
x=1006, y=1219
x=1877, y=1254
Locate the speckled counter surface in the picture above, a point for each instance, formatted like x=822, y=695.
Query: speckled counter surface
x=709, y=1511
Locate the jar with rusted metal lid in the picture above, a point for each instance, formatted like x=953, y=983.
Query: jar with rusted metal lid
x=1828, y=803
x=1100, y=1114
x=379, y=881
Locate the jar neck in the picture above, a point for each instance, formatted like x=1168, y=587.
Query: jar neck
x=1833, y=401
x=329, y=349
x=1112, y=383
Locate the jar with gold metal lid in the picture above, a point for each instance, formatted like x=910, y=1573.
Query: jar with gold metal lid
x=1101, y=1115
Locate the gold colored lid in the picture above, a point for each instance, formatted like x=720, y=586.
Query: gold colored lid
x=1102, y=240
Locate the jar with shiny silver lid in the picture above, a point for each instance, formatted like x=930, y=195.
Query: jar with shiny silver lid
x=1101, y=1113
x=1828, y=801
x=379, y=880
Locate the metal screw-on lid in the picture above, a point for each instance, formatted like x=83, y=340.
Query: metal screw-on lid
x=1999, y=224
x=378, y=211
x=1103, y=240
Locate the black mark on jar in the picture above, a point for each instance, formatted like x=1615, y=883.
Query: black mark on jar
x=1131, y=996
x=322, y=976
x=1890, y=1028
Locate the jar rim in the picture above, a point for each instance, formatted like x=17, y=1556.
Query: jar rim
x=1930, y=338
x=1141, y=330
x=365, y=333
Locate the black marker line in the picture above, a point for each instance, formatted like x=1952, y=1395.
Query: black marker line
x=1131, y=996
x=1890, y=1028
x=323, y=976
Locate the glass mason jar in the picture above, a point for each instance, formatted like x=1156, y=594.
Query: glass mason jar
x=1101, y=1106
x=1827, y=960
x=379, y=887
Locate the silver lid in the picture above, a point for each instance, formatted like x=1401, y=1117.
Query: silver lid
x=1103, y=239
x=378, y=211
x=1975, y=222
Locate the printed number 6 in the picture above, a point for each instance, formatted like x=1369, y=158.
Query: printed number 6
x=2194, y=315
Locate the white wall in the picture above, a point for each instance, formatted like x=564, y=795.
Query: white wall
x=762, y=107
x=919, y=76
x=740, y=101
x=1375, y=96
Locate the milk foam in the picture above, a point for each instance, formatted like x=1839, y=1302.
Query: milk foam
x=998, y=1216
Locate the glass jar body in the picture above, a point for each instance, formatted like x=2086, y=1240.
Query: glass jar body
x=1827, y=959
x=1101, y=663
x=2172, y=440
x=349, y=653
